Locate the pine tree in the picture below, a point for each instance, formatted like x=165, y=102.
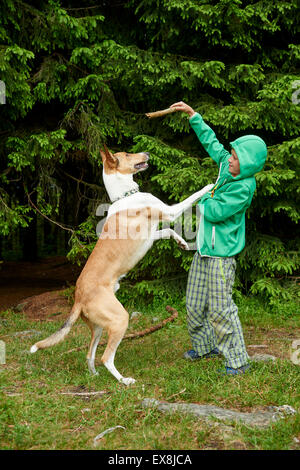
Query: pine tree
x=80, y=74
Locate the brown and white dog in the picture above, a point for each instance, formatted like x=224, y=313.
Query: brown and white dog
x=128, y=233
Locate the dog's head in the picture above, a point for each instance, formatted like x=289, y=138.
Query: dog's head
x=122, y=162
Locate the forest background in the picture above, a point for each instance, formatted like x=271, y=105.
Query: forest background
x=78, y=74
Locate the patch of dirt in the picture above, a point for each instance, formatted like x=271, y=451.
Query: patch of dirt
x=20, y=280
x=50, y=306
x=278, y=341
x=237, y=445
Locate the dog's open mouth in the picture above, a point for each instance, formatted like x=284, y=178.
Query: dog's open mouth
x=141, y=166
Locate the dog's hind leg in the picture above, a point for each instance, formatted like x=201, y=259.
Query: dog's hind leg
x=106, y=311
x=96, y=332
x=116, y=330
x=115, y=336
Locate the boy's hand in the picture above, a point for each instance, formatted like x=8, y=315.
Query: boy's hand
x=185, y=108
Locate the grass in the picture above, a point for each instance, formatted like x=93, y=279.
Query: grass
x=35, y=415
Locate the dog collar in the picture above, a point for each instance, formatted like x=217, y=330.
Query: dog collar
x=128, y=193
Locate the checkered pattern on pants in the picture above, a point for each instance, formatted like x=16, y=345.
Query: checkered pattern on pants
x=212, y=315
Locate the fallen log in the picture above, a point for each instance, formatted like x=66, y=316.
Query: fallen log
x=261, y=418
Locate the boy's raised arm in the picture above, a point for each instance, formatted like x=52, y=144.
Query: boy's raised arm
x=205, y=134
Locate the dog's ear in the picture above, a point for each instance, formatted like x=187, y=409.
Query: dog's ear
x=108, y=157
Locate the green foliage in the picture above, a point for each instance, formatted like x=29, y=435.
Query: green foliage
x=82, y=241
x=77, y=76
x=267, y=265
x=36, y=413
x=12, y=216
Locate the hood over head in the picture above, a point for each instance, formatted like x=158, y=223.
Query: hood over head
x=252, y=153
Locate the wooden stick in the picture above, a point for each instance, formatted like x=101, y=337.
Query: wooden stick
x=163, y=112
x=105, y=432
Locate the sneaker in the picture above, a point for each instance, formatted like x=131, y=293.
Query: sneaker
x=193, y=356
x=230, y=371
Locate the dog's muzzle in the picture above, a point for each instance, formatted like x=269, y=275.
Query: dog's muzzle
x=143, y=165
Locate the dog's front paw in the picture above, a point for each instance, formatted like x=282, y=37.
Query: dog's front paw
x=182, y=243
x=127, y=380
x=207, y=188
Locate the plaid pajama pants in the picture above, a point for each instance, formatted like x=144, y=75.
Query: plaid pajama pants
x=212, y=316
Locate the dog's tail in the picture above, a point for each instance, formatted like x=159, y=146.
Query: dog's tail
x=61, y=333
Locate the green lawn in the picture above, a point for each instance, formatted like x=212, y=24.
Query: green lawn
x=36, y=415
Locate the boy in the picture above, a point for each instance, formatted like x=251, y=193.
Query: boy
x=212, y=316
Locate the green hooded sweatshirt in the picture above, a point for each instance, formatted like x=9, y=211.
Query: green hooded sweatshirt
x=222, y=210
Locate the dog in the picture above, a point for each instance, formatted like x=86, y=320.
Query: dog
x=128, y=233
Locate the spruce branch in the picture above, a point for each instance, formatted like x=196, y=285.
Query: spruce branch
x=46, y=217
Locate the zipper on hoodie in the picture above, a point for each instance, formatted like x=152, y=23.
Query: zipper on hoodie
x=216, y=183
x=213, y=237
x=213, y=233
